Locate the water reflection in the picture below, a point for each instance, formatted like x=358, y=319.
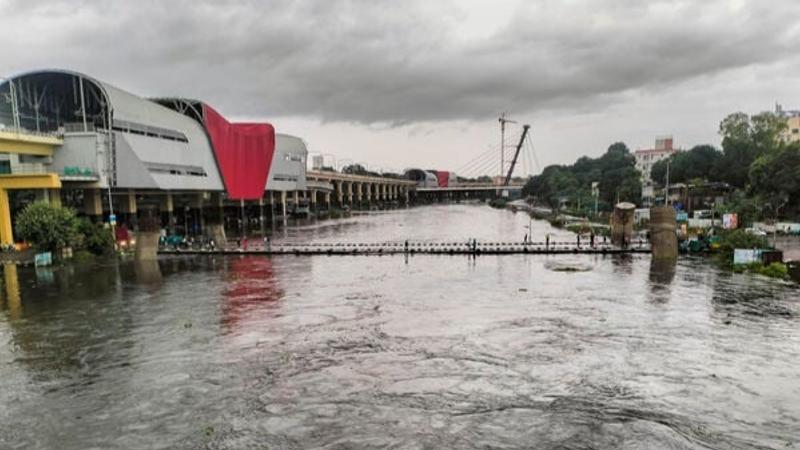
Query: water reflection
x=13, y=301
x=41, y=301
x=623, y=264
x=662, y=272
x=252, y=291
x=148, y=272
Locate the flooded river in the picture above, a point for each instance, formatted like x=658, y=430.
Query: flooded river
x=385, y=351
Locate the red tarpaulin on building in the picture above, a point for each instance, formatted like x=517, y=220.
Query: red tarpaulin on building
x=443, y=178
x=244, y=154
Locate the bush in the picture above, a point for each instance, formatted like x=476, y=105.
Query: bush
x=729, y=240
x=96, y=238
x=773, y=270
x=47, y=227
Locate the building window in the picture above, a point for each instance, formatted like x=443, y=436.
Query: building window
x=149, y=131
x=175, y=169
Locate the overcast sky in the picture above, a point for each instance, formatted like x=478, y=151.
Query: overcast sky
x=421, y=83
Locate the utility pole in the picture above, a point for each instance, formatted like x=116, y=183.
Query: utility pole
x=666, y=189
x=503, y=121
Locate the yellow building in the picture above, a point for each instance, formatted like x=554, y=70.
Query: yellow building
x=23, y=158
x=792, y=131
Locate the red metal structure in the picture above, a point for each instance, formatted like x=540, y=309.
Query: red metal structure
x=244, y=153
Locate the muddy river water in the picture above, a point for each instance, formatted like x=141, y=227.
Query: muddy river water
x=395, y=352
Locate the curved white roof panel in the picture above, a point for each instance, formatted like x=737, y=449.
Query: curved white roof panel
x=288, y=169
x=155, y=146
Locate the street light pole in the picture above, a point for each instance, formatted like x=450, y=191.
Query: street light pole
x=666, y=191
x=14, y=105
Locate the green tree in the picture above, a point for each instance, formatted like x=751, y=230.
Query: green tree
x=744, y=139
x=697, y=163
x=775, y=176
x=615, y=170
x=47, y=227
x=355, y=169
x=95, y=237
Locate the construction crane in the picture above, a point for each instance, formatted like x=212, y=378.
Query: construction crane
x=503, y=121
x=516, y=154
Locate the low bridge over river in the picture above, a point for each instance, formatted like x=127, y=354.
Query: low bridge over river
x=578, y=246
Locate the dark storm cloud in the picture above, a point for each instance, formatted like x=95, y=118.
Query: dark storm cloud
x=369, y=62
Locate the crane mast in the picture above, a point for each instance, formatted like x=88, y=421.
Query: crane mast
x=516, y=154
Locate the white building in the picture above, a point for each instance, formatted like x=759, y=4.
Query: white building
x=645, y=159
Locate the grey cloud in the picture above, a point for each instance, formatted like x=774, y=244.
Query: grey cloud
x=387, y=62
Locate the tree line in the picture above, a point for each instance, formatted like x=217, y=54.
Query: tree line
x=756, y=160
x=571, y=185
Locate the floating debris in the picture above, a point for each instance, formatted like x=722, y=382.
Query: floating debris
x=567, y=266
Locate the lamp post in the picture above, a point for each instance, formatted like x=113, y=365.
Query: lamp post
x=529, y=227
x=14, y=107
x=666, y=191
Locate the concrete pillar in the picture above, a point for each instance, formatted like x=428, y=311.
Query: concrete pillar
x=92, y=202
x=296, y=198
x=369, y=192
x=127, y=204
x=328, y=200
x=360, y=192
x=199, y=202
x=339, y=192
x=622, y=224
x=663, y=239
x=55, y=196
x=168, y=207
x=50, y=196
x=350, y=193
x=313, y=200
x=218, y=204
x=146, y=246
x=283, y=204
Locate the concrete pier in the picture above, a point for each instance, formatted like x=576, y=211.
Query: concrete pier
x=663, y=238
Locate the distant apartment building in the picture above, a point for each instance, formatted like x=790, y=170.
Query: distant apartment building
x=792, y=131
x=645, y=159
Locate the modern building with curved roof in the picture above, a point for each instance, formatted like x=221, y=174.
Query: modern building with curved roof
x=115, y=156
x=111, y=140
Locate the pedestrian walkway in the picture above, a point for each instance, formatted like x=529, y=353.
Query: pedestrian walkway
x=411, y=247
